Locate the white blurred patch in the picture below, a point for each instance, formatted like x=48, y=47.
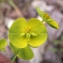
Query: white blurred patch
x=42, y=5
x=39, y=18
x=8, y=22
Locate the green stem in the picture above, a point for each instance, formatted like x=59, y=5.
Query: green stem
x=13, y=59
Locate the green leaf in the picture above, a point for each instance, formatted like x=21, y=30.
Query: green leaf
x=39, y=32
x=39, y=11
x=24, y=53
x=3, y=43
x=47, y=18
x=15, y=32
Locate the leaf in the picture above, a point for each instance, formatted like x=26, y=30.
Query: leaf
x=15, y=32
x=52, y=23
x=3, y=43
x=39, y=12
x=37, y=28
x=24, y=53
x=47, y=18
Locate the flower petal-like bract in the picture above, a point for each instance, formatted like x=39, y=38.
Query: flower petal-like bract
x=3, y=43
x=38, y=28
x=22, y=33
x=47, y=18
x=15, y=33
x=24, y=53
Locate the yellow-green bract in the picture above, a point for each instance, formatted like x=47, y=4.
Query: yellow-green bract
x=47, y=18
x=23, y=33
x=24, y=53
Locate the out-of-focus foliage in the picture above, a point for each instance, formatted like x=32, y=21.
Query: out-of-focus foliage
x=58, y=43
x=3, y=43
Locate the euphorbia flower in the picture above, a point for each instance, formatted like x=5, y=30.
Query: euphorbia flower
x=23, y=33
x=47, y=18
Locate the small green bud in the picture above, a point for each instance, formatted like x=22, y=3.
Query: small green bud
x=22, y=34
x=28, y=35
x=33, y=34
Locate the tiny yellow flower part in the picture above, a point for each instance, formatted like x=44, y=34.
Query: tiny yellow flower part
x=33, y=34
x=23, y=33
x=47, y=18
x=28, y=35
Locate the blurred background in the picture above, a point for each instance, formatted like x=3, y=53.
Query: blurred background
x=52, y=50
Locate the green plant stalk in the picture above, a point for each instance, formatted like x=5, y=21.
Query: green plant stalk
x=11, y=3
x=13, y=59
x=15, y=7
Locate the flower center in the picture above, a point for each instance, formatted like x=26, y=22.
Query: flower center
x=28, y=34
x=46, y=16
x=27, y=30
